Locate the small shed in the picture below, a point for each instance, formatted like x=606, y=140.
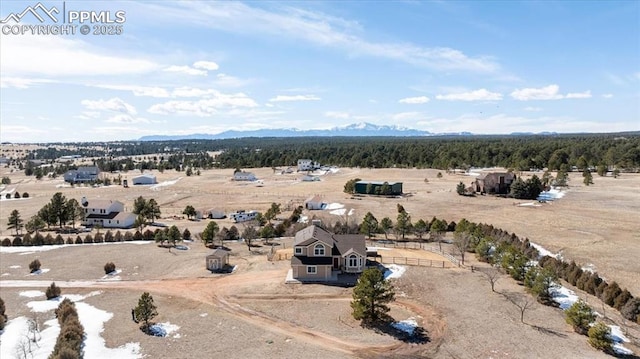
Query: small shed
x=217, y=260
x=314, y=203
x=143, y=179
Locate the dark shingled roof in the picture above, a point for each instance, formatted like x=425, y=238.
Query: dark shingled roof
x=218, y=253
x=311, y=234
x=344, y=242
x=311, y=260
x=111, y=215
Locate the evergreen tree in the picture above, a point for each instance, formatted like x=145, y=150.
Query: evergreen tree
x=460, y=188
x=370, y=297
x=386, y=225
x=145, y=311
x=600, y=337
x=580, y=316
x=588, y=178
x=209, y=233
x=15, y=222
x=189, y=211
x=369, y=225
x=420, y=228
x=403, y=223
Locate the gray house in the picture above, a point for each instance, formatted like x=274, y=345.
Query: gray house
x=494, y=182
x=82, y=175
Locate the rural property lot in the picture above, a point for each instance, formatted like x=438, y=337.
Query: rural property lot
x=252, y=313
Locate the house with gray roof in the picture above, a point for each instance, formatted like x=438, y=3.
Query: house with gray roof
x=319, y=256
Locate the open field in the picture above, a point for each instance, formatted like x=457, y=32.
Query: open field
x=598, y=225
x=252, y=313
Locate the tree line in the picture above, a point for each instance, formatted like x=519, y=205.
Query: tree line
x=621, y=150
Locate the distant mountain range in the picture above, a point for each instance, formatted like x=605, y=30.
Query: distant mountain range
x=362, y=129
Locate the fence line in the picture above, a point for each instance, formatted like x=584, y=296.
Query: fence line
x=418, y=245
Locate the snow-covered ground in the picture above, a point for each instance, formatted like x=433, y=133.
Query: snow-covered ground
x=159, y=186
x=378, y=249
x=394, y=271
x=332, y=206
x=14, y=337
x=408, y=325
x=113, y=275
x=32, y=249
x=552, y=194
x=543, y=251
x=566, y=298
x=342, y=211
x=530, y=204
x=40, y=271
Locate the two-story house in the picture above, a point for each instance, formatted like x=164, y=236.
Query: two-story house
x=319, y=255
x=107, y=214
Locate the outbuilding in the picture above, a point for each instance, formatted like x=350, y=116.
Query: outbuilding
x=217, y=260
x=378, y=187
x=143, y=179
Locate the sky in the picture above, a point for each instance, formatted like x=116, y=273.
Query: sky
x=183, y=67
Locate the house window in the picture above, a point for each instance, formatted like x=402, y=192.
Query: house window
x=318, y=250
x=298, y=250
x=353, y=261
x=312, y=270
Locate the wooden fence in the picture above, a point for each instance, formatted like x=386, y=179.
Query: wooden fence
x=417, y=245
x=414, y=262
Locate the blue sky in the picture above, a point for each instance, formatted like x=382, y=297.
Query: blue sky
x=206, y=66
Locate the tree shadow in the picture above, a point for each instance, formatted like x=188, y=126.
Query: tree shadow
x=418, y=336
x=549, y=331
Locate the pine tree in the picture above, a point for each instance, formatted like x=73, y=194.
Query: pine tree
x=15, y=222
x=580, y=316
x=145, y=311
x=369, y=225
x=370, y=297
x=600, y=337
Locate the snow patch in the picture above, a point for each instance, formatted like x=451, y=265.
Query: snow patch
x=618, y=338
x=564, y=296
x=164, y=329
x=408, y=325
x=543, y=251
x=530, y=204
x=204, y=315
x=378, y=249
x=40, y=271
x=113, y=275
x=339, y=212
x=334, y=206
x=24, y=250
x=159, y=186
x=15, y=267
x=394, y=271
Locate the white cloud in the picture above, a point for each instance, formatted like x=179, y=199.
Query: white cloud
x=224, y=80
x=186, y=70
x=114, y=104
x=88, y=115
x=289, y=98
x=126, y=119
x=550, y=92
x=206, y=65
x=204, y=107
x=146, y=91
x=415, y=100
x=192, y=92
x=337, y=114
x=533, y=109
x=21, y=82
x=607, y=95
x=477, y=95
x=60, y=56
x=586, y=94
x=319, y=29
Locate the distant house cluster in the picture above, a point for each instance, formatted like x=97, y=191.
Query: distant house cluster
x=494, y=183
x=106, y=214
x=307, y=165
x=319, y=255
x=82, y=175
x=378, y=187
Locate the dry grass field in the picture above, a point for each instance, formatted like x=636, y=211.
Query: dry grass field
x=252, y=313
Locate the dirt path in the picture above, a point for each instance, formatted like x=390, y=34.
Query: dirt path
x=219, y=292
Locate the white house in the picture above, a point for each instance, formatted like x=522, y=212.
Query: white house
x=314, y=203
x=307, y=165
x=244, y=176
x=107, y=214
x=145, y=178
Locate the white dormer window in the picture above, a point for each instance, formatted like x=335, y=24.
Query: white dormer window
x=318, y=250
x=298, y=250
